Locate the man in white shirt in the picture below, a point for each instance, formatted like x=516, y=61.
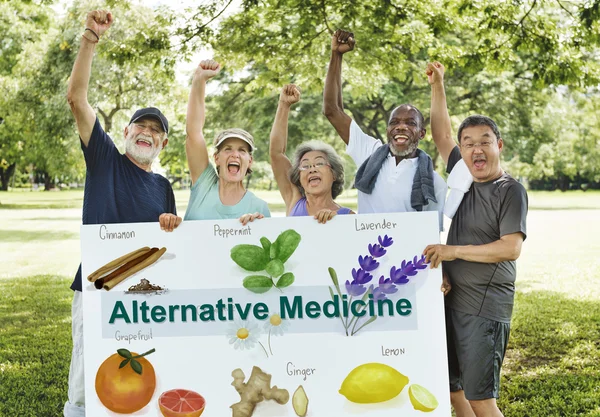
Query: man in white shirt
x=392, y=187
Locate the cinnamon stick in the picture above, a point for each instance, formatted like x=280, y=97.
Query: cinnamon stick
x=155, y=256
x=99, y=283
x=114, y=264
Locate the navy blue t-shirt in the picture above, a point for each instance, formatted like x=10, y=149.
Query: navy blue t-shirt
x=117, y=190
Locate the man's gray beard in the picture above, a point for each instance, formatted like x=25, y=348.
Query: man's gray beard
x=411, y=148
x=141, y=157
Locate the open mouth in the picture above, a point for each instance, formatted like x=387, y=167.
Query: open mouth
x=479, y=163
x=233, y=168
x=314, y=181
x=145, y=143
x=400, y=140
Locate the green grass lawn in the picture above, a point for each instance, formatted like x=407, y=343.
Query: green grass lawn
x=538, y=200
x=552, y=364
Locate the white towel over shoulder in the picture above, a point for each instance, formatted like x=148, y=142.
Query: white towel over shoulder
x=459, y=182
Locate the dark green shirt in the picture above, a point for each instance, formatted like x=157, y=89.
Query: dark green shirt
x=488, y=211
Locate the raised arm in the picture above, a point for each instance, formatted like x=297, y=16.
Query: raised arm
x=96, y=24
x=195, y=145
x=333, y=108
x=441, y=128
x=280, y=163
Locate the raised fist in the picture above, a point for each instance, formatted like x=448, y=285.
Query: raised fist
x=435, y=73
x=99, y=21
x=207, y=69
x=290, y=94
x=342, y=41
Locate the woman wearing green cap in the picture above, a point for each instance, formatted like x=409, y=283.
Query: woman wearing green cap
x=218, y=191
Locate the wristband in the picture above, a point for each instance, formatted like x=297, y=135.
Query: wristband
x=95, y=34
x=88, y=39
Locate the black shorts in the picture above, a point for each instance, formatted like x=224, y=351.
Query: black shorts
x=476, y=348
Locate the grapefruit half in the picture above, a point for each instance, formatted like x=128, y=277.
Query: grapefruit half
x=181, y=403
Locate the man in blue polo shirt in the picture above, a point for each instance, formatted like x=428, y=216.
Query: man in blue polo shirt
x=119, y=188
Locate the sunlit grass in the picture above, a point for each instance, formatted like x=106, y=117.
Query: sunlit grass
x=538, y=200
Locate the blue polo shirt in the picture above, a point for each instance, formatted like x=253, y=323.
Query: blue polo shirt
x=117, y=190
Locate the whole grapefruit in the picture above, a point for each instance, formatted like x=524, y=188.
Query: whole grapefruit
x=123, y=390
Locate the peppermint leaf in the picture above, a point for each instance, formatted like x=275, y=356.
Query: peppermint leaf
x=266, y=244
x=275, y=268
x=258, y=284
x=286, y=244
x=285, y=280
x=250, y=257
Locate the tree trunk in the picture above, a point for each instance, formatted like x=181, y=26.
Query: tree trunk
x=6, y=175
x=48, y=182
x=563, y=183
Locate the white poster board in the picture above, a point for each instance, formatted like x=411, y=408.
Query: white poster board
x=262, y=298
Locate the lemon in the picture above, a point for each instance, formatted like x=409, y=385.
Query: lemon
x=421, y=398
x=373, y=383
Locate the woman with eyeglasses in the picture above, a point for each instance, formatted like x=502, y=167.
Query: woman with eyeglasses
x=315, y=176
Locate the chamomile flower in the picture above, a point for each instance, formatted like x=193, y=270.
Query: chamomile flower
x=276, y=326
x=243, y=334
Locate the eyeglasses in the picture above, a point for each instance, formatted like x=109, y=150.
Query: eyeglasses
x=317, y=165
x=483, y=145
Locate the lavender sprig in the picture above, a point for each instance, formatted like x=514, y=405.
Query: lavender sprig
x=355, y=289
x=376, y=251
x=385, y=286
x=385, y=241
x=368, y=263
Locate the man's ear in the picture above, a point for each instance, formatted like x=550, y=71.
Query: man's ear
x=500, y=144
x=423, y=132
x=165, y=142
x=125, y=132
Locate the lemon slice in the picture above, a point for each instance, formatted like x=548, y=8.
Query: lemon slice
x=422, y=399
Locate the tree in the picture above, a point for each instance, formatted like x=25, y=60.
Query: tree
x=504, y=59
x=133, y=68
x=22, y=24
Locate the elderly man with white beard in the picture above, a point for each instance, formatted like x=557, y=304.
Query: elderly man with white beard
x=119, y=188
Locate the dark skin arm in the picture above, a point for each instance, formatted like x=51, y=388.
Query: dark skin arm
x=333, y=108
x=441, y=129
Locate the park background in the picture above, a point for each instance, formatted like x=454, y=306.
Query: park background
x=532, y=65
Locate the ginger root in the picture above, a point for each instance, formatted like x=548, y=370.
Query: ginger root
x=257, y=389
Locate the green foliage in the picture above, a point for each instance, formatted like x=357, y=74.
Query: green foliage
x=271, y=258
x=285, y=280
x=287, y=243
x=503, y=59
x=275, y=268
x=258, y=283
x=133, y=67
x=250, y=257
